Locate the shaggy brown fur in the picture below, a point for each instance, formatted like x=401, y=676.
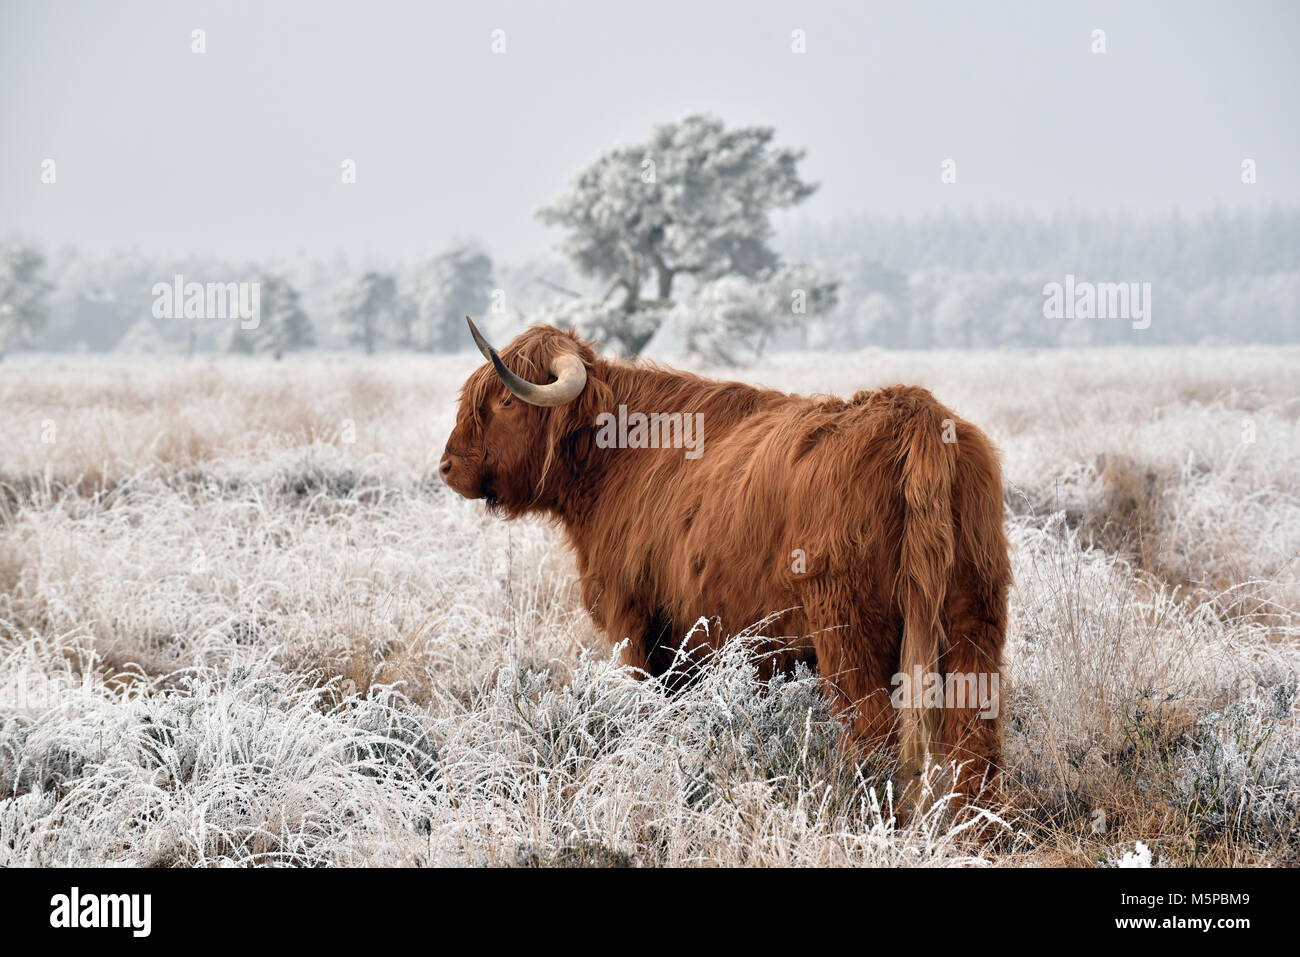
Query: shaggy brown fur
x=905, y=560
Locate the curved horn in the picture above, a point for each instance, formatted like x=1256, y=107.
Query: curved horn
x=570, y=375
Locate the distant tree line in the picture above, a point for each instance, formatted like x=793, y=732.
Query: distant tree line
x=978, y=280
x=374, y=312
x=668, y=247
x=690, y=205
x=67, y=302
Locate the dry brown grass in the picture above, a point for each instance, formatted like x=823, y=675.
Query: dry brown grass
x=196, y=535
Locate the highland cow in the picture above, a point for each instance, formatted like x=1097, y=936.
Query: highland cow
x=865, y=535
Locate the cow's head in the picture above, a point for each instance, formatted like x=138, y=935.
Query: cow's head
x=526, y=420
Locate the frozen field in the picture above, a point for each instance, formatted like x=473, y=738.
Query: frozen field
x=241, y=621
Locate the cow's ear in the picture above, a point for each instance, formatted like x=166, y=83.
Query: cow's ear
x=579, y=416
x=577, y=445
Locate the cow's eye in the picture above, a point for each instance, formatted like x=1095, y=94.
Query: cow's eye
x=507, y=401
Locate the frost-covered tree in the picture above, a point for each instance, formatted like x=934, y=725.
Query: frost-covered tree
x=694, y=199
x=605, y=322
x=370, y=312
x=24, y=296
x=282, y=325
x=143, y=338
x=449, y=287
x=731, y=320
x=877, y=319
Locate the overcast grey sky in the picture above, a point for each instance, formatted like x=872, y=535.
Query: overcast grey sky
x=237, y=152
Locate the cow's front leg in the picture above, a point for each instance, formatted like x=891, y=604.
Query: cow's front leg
x=651, y=645
x=647, y=636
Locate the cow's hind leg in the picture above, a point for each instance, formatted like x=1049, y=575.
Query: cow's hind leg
x=857, y=665
x=975, y=624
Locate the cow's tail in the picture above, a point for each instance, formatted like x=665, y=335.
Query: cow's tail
x=929, y=461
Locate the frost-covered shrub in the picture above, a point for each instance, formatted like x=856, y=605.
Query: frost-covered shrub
x=731, y=320
x=602, y=768
x=744, y=729
x=241, y=767
x=1240, y=773
x=24, y=830
x=40, y=758
x=562, y=728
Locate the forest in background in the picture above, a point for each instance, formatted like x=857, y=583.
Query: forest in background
x=970, y=281
x=688, y=235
